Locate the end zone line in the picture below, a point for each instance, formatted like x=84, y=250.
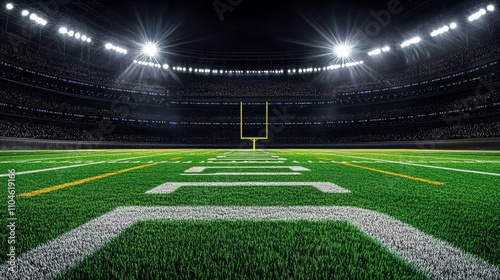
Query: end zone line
x=394, y=174
x=78, y=182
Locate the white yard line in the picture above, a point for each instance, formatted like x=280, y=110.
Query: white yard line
x=115, y=160
x=433, y=257
x=241, y=162
x=325, y=187
x=52, y=169
x=250, y=158
x=199, y=169
x=427, y=157
x=56, y=158
x=423, y=165
x=244, y=174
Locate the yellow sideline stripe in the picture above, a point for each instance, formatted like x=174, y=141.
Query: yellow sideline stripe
x=394, y=174
x=177, y=158
x=62, y=186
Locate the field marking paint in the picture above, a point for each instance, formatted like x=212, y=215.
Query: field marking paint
x=244, y=174
x=177, y=158
x=246, y=161
x=433, y=257
x=325, y=187
x=52, y=169
x=403, y=155
x=394, y=174
x=431, y=166
x=58, y=158
x=150, y=155
x=248, y=158
x=199, y=169
x=78, y=182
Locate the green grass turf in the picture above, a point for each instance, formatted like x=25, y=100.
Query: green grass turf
x=464, y=212
x=243, y=250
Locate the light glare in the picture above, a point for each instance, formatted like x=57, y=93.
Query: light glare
x=150, y=49
x=342, y=51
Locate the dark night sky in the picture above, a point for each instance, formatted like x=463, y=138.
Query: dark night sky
x=253, y=25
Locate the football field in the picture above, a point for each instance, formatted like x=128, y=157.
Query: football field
x=238, y=214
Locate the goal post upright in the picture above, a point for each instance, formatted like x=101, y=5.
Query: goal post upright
x=254, y=139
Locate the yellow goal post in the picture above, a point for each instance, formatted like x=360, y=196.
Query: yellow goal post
x=253, y=138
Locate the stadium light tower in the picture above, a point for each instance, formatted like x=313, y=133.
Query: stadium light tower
x=9, y=6
x=150, y=49
x=342, y=51
x=490, y=8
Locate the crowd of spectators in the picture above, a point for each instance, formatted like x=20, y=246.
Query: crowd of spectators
x=33, y=97
x=61, y=96
x=41, y=129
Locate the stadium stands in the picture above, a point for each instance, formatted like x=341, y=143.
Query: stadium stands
x=452, y=96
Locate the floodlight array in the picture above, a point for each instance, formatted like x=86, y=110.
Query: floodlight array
x=342, y=50
x=325, y=68
x=477, y=15
x=443, y=29
x=77, y=35
x=35, y=18
x=121, y=50
x=151, y=64
x=379, y=51
x=412, y=41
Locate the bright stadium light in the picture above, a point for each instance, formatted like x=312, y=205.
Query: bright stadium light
x=63, y=30
x=71, y=33
x=453, y=25
x=342, y=50
x=386, y=49
x=84, y=37
x=78, y=35
x=25, y=13
x=110, y=46
x=9, y=6
x=414, y=40
x=89, y=40
x=480, y=13
x=165, y=66
x=150, y=49
x=375, y=52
